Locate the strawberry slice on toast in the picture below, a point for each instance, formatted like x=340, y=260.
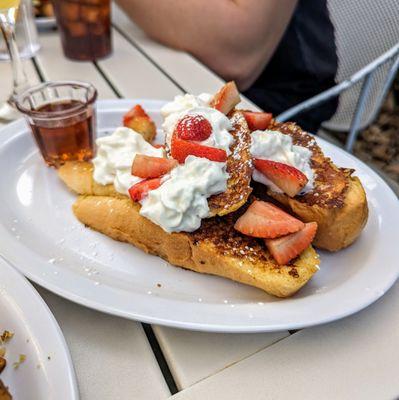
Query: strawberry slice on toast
x=140, y=190
x=151, y=167
x=289, y=179
x=226, y=98
x=181, y=149
x=265, y=220
x=257, y=120
x=285, y=248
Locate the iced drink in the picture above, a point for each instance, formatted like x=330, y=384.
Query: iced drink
x=85, y=28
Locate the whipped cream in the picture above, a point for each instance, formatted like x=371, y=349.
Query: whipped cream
x=180, y=202
x=198, y=105
x=185, y=102
x=275, y=146
x=115, y=154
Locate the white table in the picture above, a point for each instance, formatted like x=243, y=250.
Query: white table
x=355, y=358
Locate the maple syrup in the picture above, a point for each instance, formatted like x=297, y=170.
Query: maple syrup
x=69, y=139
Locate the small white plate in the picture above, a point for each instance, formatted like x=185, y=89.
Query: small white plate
x=42, y=238
x=47, y=371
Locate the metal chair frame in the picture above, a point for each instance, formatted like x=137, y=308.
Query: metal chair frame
x=365, y=74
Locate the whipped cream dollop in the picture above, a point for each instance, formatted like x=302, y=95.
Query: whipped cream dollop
x=275, y=146
x=198, y=105
x=115, y=154
x=180, y=202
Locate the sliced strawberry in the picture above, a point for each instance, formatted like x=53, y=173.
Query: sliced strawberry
x=257, y=120
x=151, y=167
x=158, y=146
x=226, y=98
x=180, y=149
x=285, y=248
x=265, y=220
x=140, y=190
x=136, y=111
x=193, y=127
x=289, y=179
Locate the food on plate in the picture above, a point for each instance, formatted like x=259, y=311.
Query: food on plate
x=258, y=120
x=287, y=178
x=287, y=247
x=152, y=167
x=265, y=220
x=4, y=338
x=309, y=184
x=226, y=98
x=4, y=393
x=215, y=248
x=190, y=202
x=186, y=213
x=138, y=120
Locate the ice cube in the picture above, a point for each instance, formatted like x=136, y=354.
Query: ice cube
x=70, y=11
x=90, y=14
x=77, y=29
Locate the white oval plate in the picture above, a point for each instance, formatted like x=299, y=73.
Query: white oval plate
x=47, y=371
x=53, y=249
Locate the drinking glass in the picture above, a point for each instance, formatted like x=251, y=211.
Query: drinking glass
x=8, y=15
x=25, y=33
x=85, y=28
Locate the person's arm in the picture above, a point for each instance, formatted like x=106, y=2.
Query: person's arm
x=235, y=38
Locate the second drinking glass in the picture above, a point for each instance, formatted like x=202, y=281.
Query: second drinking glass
x=85, y=28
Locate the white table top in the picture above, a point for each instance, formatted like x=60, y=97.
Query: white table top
x=355, y=358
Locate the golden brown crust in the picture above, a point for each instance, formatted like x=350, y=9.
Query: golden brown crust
x=239, y=166
x=337, y=227
x=200, y=252
x=330, y=182
x=78, y=176
x=216, y=248
x=4, y=393
x=144, y=126
x=338, y=201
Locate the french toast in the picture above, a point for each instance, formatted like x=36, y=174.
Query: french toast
x=337, y=202
x=239, y=167
x=216, y=248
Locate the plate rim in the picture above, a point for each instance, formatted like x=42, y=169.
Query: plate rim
x=20, y=283
x=73, y=295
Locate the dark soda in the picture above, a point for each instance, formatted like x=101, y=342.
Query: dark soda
x=85, y=28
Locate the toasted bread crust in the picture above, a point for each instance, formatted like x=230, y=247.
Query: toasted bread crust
x=201, y=251
x=239, y=167
x=338, y=201
x=78, y=176
x=216, y=248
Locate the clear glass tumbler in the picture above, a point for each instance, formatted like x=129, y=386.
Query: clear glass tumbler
x=25, y=33
x=62, y=118
x=8, y=16
x=85, y=28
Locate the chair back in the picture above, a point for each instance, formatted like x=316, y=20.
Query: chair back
x=364, y=29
